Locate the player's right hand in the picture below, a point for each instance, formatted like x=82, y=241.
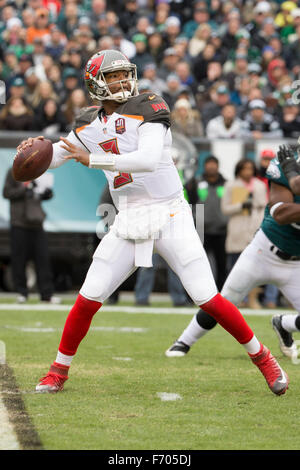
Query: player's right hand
x=287, y=161
x=284, y=153
x=28, y=142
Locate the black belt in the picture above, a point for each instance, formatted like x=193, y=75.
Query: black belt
x=283, y=255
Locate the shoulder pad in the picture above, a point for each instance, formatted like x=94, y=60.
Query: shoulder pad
x=149, y=106
x=86, y=116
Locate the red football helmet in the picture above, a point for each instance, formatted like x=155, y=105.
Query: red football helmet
x=109, y=61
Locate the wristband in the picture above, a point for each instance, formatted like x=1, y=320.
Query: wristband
x=102, y=161
x=274, y=207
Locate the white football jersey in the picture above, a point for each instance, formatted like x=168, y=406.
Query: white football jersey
x=119, y=135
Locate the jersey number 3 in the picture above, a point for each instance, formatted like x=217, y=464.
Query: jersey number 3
x=111, y=146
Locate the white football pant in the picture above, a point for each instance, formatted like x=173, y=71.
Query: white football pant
x=180, y=246
x=258, y=265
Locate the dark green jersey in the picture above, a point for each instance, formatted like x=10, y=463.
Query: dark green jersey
x=285, y=237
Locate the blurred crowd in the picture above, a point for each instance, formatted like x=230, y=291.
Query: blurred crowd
x=226, y=68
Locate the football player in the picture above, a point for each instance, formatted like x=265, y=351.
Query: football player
x=130, y=140
x=273, y=257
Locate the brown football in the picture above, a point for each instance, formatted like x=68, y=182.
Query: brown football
x=33, y=161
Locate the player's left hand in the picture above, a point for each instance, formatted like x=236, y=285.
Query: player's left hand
x=75, y=153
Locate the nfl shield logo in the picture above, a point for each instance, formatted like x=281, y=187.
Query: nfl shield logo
x=120, y=126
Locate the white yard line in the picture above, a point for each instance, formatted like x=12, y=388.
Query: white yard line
x=8, y=438
x=33, y=329
x=135, y=310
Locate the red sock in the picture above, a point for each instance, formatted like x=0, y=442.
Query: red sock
x=229, y=317
x=77, y=324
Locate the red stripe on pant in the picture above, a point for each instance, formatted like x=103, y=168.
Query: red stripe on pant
x=229, y=317
x=77, y=324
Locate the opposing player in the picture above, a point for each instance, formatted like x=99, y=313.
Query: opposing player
x=273, y=257
x=130, y=140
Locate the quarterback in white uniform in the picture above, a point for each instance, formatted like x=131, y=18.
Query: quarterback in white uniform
x=129, y=139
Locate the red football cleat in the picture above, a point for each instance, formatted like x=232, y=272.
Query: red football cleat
x=276, y=378
x=54, y=381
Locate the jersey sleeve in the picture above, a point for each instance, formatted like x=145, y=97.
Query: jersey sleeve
x=274, y=173
x=148, y=106
x=59, y=153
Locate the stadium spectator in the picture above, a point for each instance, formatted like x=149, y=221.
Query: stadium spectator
x=56, y=43
x=200, y=16
x=50, y=119
x=128, y=18
x=199, y=40
x=173, y=88
x=122, y=44
x=230, y=38
x=157, y=84
x=142, y=56
x=289, y=120
x=219, y=97
x=243, y=202
x=214, y=74
x=258, y=123
x=76, y=101
x=31, y=82
x=208, y=190
x=156, y=46
x=162, y=11
x=43, y=91
x=17, y=88
x=183, y=71
x=41, y=28
x=68, y=18
x=239, y=71
x=185, y=120
x=27, y=236
x=284, y=17
x=209, y=54
x=16, y=115
x=225, y=126
x=172, y=30
x=71, y=81
x=55, y=78
x=240, y=95
x=169, y=62
x=261, y=11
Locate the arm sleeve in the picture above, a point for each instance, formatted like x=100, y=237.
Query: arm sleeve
x=59, y=153
x=144, y=159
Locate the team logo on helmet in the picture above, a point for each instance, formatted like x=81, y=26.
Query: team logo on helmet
x=93, y=65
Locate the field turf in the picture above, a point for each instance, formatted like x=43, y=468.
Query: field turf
x=112, y=399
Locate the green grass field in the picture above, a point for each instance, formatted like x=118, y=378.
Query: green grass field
x=111, y=399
